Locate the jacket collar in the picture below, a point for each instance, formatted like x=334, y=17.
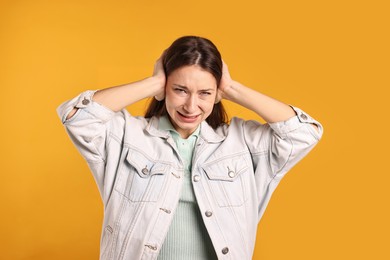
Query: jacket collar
x=210, y=135
x=206, y=132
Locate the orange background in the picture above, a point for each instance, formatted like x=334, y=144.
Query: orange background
x=330, y=58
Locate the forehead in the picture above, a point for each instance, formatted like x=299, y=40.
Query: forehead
x=192, y=77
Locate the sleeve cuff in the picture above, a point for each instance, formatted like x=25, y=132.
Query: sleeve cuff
x=294, y=122
x=84, y=102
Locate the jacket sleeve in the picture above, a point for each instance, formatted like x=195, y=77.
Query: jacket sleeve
x=89, y=129
x=277, y=147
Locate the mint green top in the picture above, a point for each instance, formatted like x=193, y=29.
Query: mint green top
x=187, y=237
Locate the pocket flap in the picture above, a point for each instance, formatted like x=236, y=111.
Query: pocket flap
x=226, y=169
x=145, y=166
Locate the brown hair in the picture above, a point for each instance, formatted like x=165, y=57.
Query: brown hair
x=186, y=51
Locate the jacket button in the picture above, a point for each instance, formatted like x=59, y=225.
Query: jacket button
x=231, y=174
x=196, y=178
x=225, y=250
x=85, y=102
x=145, y=171
x=304, y=117
x=208, y=213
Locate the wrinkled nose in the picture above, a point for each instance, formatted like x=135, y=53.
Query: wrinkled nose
x=191, y=104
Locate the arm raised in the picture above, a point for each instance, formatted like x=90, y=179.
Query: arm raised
x=118, y=97
x=270, y=109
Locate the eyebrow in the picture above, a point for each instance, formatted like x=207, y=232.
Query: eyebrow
x=184, y=87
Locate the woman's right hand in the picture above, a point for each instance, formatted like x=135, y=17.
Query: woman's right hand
x=118, y=97
x=159, y=74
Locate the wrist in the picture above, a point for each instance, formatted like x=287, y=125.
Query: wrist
x=231, y=91
x=157, y=86
x=158, y=81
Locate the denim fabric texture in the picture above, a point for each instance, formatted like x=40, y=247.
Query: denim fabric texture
x=139, y=173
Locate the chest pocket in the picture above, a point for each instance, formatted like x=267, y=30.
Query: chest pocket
x=141, y=179
x=228, y=180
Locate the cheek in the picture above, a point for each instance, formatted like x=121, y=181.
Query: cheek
x=208, y=107
x=169, y=100
x=172, y=103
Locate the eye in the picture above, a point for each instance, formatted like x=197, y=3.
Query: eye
x=180, y=91
x=205, y=93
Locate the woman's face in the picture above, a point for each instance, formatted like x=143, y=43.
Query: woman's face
x=189, y=98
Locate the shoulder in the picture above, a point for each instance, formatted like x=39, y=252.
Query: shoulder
x=237, y=124
x=237, y=129
x=123, y=123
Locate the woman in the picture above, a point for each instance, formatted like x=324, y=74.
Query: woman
x=182, y=183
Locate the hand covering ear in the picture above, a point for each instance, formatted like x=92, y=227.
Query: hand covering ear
x=159, y=72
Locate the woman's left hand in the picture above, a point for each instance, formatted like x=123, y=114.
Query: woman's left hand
x=159, y=74
x=225, y=84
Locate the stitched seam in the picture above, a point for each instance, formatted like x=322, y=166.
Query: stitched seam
x=225, y=157
x=147, y=156
x=239, y=229
x=289, y=156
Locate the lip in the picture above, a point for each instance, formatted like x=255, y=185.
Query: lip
x=187, y=118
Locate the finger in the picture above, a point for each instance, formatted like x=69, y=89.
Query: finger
x=159, y=97
x=218, y=97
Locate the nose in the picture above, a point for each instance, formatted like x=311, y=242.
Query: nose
x=191, y=104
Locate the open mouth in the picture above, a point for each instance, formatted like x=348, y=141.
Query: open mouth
x=187, y=118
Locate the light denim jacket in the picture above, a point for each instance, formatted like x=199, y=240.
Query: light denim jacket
x=139, y=174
